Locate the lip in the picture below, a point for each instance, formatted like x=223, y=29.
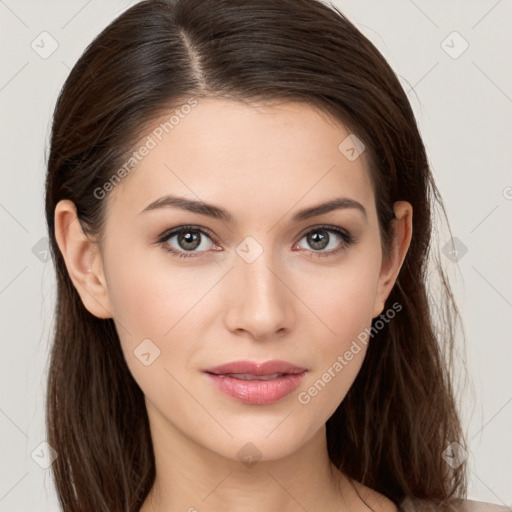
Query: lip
x=256, y=391
x=255, y=368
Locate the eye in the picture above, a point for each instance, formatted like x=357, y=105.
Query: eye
x=186, y=239
x=191, y=241
x=327, y=237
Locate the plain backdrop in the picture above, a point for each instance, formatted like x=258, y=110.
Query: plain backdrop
x=453, y=59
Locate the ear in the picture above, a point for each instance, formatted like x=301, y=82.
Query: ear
x=402, y=227
x=83, y=260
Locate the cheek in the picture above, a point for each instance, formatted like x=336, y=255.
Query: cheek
x=157, y=301
x=343, y=297
x=140, y=299
x=150, y=317
x=343, y=302
x=148, y=295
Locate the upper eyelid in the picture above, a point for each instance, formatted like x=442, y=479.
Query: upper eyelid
x=326, y=227
x=168, y=233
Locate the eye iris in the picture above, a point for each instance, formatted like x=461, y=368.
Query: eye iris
x=189, y=240
x=318, y=239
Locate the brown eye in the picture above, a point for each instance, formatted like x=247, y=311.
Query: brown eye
x=186, y=242
x=327, y=240
x=189, y=240
x=318, y=239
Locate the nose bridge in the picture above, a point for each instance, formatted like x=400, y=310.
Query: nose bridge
x=261, y=302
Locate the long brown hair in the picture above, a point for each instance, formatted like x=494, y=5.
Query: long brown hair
x=400, y=414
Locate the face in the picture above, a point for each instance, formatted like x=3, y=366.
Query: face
x=258, y=282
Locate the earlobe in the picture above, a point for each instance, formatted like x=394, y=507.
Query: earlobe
x=402, y=225
x=83, y=260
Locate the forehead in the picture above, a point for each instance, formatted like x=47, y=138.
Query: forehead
x=244, y=156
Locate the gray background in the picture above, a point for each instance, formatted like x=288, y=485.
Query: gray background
x=463, y=103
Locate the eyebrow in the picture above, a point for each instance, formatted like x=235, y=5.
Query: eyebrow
x=210, y=210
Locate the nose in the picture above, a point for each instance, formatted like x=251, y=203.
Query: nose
x=261, y=301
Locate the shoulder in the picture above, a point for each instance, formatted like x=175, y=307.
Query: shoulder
x=482, y=506
x=460, y=505
x=373, y=499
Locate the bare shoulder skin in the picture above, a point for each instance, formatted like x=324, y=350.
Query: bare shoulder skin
x=374, y=500
x=462, y=505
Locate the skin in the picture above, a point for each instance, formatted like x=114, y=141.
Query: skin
x=262, y=164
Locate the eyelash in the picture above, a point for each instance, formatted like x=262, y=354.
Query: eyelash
x=163, y=240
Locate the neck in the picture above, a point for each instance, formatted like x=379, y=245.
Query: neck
x=191, y=478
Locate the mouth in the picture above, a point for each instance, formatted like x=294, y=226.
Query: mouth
x=256, y=383
x=248, y=376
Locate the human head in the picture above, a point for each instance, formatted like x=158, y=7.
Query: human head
x=147, y=64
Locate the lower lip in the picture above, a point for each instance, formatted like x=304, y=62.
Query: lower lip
x=258, y=392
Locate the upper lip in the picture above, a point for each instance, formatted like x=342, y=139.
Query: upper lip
x=255, y=368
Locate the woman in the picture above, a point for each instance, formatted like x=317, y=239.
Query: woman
x=240, y=205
